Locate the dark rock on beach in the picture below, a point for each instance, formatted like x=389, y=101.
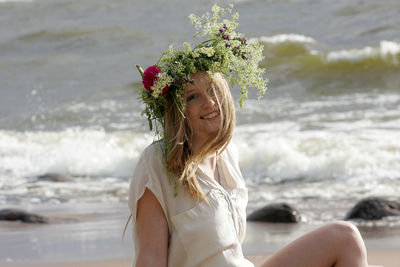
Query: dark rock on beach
x=54, y=177
x=275, y=213
x=20, y=215
x=373, y=208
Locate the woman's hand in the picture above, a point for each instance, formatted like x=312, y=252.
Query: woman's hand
x=152, y=231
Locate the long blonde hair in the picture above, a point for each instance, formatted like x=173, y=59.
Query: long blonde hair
x=181, y=161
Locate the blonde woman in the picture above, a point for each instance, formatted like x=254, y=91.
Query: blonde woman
x=187, y=197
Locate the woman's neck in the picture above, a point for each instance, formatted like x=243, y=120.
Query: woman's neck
x=197, y=146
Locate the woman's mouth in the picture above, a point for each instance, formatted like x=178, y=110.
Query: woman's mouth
x=210, y=116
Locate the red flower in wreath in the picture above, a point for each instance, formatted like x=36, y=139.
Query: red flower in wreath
x=150, y=76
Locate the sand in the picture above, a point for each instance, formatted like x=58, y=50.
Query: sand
x=77, y=236
x=386, y=258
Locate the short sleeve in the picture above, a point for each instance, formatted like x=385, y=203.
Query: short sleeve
x=147, y=174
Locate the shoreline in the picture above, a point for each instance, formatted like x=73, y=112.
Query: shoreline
x=386, y=258
x=91, y=235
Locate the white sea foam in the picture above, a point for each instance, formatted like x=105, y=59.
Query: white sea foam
x=318, y=155
x=353, y=55
x=105, y=105
x=73, y=152
x=101, y=163
x=284, y=38
x=389, y=48
x=385, y=50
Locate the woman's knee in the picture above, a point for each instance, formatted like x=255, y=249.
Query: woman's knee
x=347, y=237
x=344, y=229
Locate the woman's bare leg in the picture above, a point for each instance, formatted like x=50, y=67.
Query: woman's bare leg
x=337, y=244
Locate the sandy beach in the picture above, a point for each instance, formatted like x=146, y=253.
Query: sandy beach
x=91, y=235
x=386, y=258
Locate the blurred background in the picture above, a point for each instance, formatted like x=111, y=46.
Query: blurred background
x=325, y=135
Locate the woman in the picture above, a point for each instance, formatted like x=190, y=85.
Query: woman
x=202, y=224
x=187, y=195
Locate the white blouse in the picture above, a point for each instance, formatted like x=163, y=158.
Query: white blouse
x=200, y=233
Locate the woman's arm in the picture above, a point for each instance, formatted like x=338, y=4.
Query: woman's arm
x=152, y=229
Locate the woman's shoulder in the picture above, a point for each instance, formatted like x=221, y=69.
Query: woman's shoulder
x=153, y=152
x=151, y=160
x=150, y=167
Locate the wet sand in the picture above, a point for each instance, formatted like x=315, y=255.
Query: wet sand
x=386, y=258
x=91, y=235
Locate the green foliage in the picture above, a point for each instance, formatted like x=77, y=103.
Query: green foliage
x=225, y=51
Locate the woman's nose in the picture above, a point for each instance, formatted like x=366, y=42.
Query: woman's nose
x=209, y=101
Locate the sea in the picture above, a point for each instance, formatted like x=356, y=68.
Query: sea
x=325, y=135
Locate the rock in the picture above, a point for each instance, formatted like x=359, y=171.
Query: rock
x=54, y=177
x=20, y=215
x=276, y=213
x=373, y=208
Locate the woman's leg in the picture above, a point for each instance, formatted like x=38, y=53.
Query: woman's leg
x=337, y=244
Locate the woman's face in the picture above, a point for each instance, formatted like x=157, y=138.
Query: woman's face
x=202, y=109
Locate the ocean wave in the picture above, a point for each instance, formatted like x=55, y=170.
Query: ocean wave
x=303, y=60
x=282, y=45
x=101, y=163
x=284, y=38
x=386, y=50
x=68, y=33
x=75, y=152
x=279, y=150
x=283, y=152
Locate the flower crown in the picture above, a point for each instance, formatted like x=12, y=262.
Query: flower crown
x=225, y=51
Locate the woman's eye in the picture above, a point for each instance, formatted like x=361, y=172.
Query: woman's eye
x=192, y=97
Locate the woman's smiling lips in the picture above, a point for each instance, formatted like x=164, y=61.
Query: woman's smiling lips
x=210, y=115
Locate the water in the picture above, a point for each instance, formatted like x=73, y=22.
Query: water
x=324, y=136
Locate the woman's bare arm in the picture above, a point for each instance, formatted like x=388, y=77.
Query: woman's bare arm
x=152, y=231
